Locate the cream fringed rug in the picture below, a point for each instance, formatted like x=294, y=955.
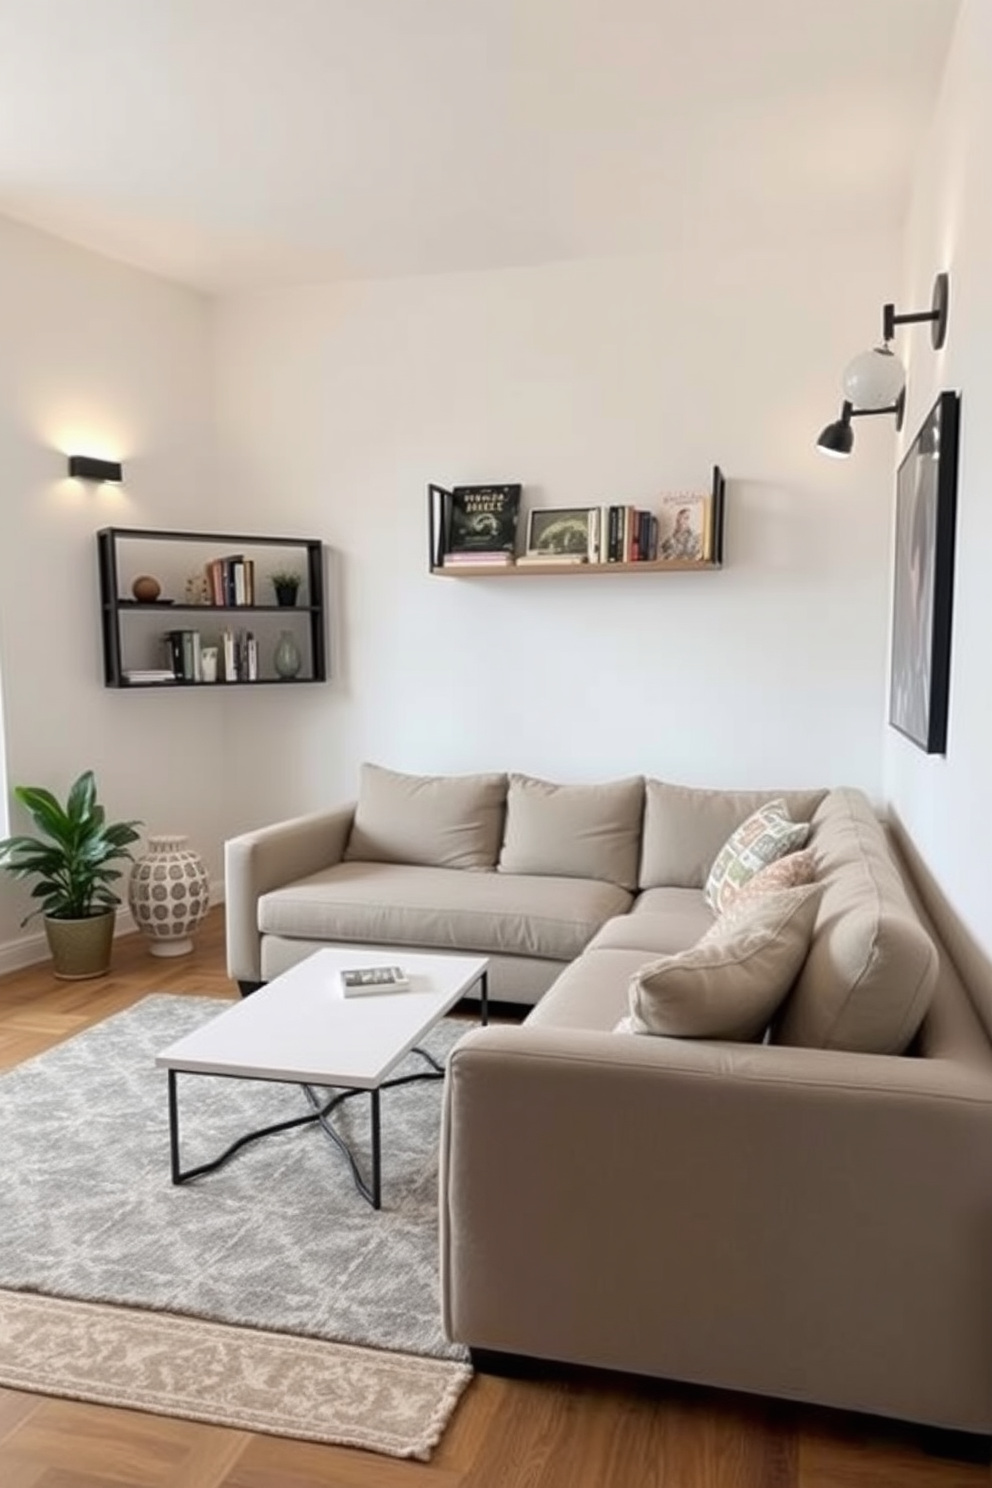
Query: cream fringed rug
x=396, y=1404
x=267, y=1296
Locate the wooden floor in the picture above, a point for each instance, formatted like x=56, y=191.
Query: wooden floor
x=562, y=1431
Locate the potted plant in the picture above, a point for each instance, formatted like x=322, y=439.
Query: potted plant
x=71, y=858
x=286, y=583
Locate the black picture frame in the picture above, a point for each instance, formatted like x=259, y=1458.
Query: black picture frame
x=923, y=579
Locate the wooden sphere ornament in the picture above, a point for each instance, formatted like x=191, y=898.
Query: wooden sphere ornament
x=146, y=589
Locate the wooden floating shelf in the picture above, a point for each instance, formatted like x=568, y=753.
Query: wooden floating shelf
x=560, y=570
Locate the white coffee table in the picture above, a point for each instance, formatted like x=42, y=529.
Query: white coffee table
x=301, y=1029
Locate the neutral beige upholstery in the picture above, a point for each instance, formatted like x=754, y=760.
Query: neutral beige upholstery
x=513, y=979
x=796, y=1223
x=799, y=1222
x=258, y=861
x=871, y=967
x=390, y=904
x=673, y=920
x=590, y=993
x=684, y=828
x=730, y=983
x=575, y=831
x=440, y=821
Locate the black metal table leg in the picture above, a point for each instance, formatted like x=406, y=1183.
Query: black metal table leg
x=376, y=1153
x=174, y=1127
x=484, y=998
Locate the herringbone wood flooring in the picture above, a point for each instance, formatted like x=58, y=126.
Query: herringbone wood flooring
x=568, y=1430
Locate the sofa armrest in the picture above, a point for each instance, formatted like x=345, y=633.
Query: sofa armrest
x=257, y=862
x=798, y=1223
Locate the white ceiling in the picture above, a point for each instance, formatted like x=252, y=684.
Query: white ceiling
x=232, y=143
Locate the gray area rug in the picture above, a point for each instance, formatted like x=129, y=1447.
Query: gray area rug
x=279, y=1239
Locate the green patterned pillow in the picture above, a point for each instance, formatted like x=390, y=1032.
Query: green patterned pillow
x=766, y=835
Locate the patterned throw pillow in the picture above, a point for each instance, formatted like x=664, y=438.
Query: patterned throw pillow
x=790, y=872
x=766, y=835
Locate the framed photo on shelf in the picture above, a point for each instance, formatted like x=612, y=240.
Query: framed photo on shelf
x=559, y=532
x=922, y=590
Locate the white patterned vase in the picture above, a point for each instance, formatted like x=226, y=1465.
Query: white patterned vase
x=169, y=894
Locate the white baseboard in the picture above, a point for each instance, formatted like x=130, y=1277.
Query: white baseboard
x=30, y=948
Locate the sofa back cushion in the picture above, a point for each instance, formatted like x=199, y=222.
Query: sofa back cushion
x=871, y=969
x=433, y=821
x=685, y=828
x=574, y=831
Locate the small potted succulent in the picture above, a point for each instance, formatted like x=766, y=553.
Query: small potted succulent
x=286, y=583
x=70, y=858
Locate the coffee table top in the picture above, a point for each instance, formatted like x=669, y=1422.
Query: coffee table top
x=301, y=1028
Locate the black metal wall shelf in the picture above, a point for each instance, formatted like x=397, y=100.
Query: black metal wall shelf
x=134, y=632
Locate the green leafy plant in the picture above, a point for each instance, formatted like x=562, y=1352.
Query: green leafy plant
x=71, y=856
x=287, y=578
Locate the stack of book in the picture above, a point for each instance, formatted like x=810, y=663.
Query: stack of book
x=475, y=526
x=477, y=560
x=149, y=674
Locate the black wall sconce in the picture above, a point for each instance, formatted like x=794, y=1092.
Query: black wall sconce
x=838, y=439
x=875, y=381
x=936, y=315
x=85, y=467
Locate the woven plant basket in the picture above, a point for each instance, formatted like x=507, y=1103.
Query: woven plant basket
x=81, y=948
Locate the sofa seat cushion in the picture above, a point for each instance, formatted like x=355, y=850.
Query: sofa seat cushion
x=396, y=904
x=591, y=994
x=677, y=919
x=438, y=821
x=871, y=969
x=685, y=828
x=574, y=831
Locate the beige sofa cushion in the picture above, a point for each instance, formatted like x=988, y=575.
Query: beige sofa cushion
x=767, y=834
x=574, y=831
x=685, y=828
x=393, y=904
x=437, y=821
x=680, y=918
x=729, y=985
x=871, y=969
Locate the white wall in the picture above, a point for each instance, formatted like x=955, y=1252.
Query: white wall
x=592, y=382
x=333, y=407
x=945, y=803
x=95, y=359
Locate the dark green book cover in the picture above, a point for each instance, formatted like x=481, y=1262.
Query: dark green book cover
x=483, y=519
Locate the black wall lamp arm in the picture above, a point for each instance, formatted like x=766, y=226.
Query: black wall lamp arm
x=937, y=314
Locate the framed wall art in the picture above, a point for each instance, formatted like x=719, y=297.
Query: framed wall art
x=923, y=580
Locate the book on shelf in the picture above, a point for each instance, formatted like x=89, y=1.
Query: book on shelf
x=685, y=527
x=553, y=560
x=238, y=656
x=231, y=580
x=483, y=519
x=183, y=649
x=148, y=674
x=361, y=981
x=477, y=560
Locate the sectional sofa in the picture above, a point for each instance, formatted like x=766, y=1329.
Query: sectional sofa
x=807, y=1214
